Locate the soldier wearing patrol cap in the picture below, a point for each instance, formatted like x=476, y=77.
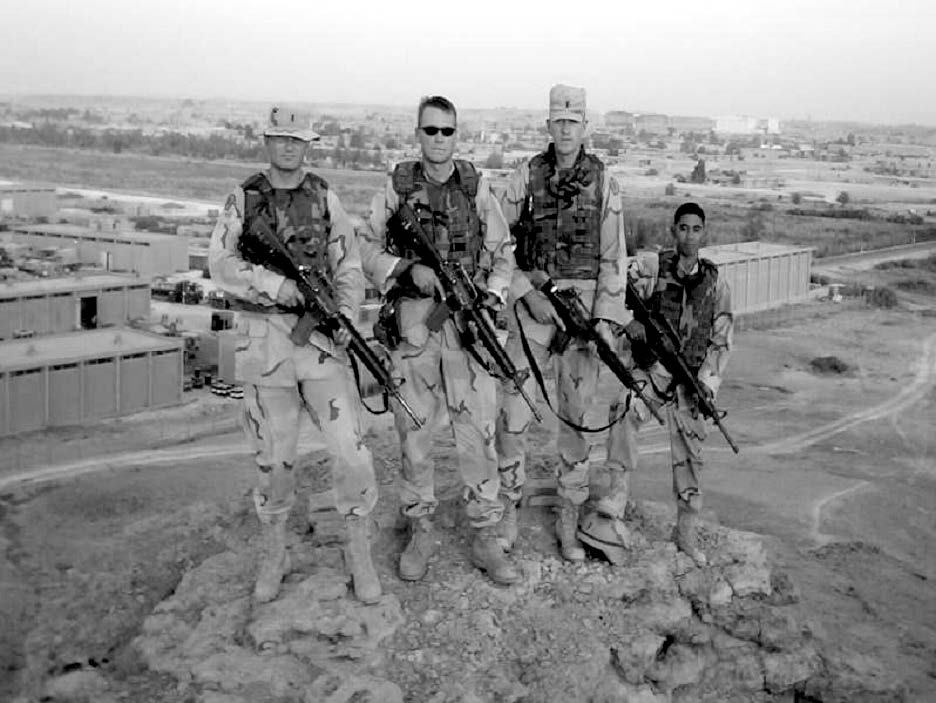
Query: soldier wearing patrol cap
x=565, y=212
x=281, y=378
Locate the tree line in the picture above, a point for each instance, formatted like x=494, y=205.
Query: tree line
x=211, y=147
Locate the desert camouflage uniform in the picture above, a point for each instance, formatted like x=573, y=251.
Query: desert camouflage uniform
x=280, y=378
x=687, y=429
x=439, y=374
x=576, y=368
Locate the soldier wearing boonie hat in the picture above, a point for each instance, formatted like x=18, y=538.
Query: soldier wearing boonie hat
x=290, y=122
x=565, y=212
x=281, y=378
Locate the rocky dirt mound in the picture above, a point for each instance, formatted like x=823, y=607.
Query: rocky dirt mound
x=655, y=629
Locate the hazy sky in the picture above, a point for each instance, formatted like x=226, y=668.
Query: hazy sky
x=865, y=60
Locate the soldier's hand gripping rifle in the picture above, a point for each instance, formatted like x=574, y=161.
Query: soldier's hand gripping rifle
x=664, y=343
x=261, y=246
x=577, y=324
x=462, y=296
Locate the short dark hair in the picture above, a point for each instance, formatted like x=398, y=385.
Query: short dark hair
x=437, y=101
x=689, y=209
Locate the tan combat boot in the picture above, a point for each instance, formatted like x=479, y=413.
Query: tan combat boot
x=507, y=527
x=687, y=521
x=358, y=560
x=414, y=561
x=274, y=559
x=566, y=527
x=488, y=556
x=614, y=503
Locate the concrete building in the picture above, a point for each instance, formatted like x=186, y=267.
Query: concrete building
x=686, y=123
x=747, y=125
x=650, y=123
x=27, y=201
x=146, y=253
x=78, y=377
x=54, y=305
x=762, y=275
x=620, y=120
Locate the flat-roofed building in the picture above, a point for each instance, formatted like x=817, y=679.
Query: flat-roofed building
x=53, y=305
x=652, y=123
x=27, y=201
x=762, y=275
x=146, y=253
x=78, y=377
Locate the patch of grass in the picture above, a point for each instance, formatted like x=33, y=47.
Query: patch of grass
x=927, y=264
x=917, y=285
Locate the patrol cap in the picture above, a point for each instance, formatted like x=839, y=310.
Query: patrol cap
x=289, y=122
x=567, y=102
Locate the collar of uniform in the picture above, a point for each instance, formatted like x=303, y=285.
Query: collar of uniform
x=551, y=156
x=304, y=181
x=425, y=174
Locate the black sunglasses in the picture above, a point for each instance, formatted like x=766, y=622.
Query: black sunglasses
x=432, y=131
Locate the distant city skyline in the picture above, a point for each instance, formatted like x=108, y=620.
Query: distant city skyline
x=839, y=60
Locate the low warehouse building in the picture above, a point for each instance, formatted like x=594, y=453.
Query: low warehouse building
x=146, y=253
x=27, y=201
x=68, y=379
x=54, y=305
x=762, y=275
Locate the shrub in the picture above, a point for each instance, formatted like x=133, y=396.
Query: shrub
x=883, y=297
x=670, y=189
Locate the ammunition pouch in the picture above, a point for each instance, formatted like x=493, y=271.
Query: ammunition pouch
x=387, y=326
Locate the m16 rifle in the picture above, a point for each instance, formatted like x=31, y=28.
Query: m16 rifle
x=461, y=299
x=261, y=246
x=664, y=343
x=572, y=312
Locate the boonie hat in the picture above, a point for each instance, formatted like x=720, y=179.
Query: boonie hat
x=289, y=122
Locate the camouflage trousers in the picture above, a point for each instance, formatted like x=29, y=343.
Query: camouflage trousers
x=687, y=430
x=576, y=372
x=281, y=380
x=440, y=377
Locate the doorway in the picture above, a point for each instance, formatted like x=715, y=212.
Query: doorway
x=88, y=312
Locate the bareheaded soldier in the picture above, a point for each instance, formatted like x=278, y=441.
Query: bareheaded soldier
x=441, y=377
x=282, y=378
x=565, y=212
x=685, y=290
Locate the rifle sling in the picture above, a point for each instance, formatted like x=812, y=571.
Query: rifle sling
x=357, y=384
x=538, y=375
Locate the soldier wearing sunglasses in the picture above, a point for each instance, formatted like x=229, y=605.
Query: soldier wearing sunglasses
x=456, y=208
x=565, y=212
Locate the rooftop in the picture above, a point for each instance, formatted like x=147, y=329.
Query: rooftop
x=48, y=350
x=79, y=232
x=19, y=188
x=50, y=286
x=742, y=251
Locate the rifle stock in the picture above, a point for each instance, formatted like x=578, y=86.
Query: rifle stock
x=569, y=307
x=665, y=344
x=320, y=305
x=461, y=296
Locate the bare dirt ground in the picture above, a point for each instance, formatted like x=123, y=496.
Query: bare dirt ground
x=836, y=471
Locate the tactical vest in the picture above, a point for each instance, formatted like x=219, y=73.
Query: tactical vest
x=447, y=211
x=696, y=296
x=299, y=216
x=565, y=225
